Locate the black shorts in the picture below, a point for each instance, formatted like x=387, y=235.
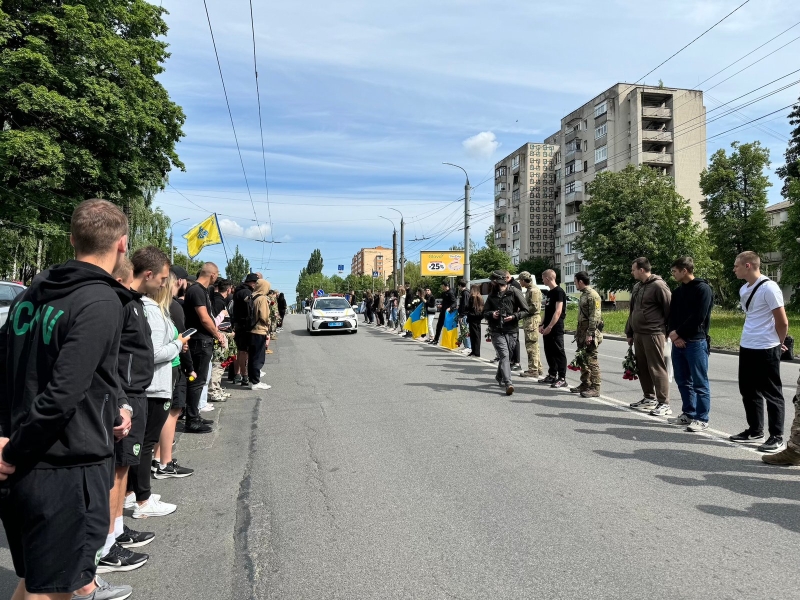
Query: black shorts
x=56, y=523
x=242, y=339
x=179, y=390
x=128, y=449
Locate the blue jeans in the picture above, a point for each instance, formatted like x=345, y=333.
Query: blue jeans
x=690, y=365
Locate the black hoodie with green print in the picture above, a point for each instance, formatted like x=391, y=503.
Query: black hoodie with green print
x=59, y=385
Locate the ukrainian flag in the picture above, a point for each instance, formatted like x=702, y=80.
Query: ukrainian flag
x=205, y=234
x=416, y=323
x=450, y=330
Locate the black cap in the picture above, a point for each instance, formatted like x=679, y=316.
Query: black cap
x=498, y=275
x=251, y=277
x=179, y=272
x=191, y=278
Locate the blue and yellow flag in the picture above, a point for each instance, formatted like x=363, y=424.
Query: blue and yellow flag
x=205, y=234
x=450, y=330
x=416, y=323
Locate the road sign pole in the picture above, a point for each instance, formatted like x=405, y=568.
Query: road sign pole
x=394, y=259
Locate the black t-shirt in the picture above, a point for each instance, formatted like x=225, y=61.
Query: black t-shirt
x=195, y=297
x=557, y=294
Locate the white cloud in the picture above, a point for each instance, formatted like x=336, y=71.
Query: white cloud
x=257, y=232
x=482, y=145
x=254, y=232
x=230, y=227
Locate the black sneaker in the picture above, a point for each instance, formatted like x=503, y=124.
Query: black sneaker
x=772, y=445
x=747, y=438
x=173, y=470
x=134, y=539
x=121, y=559
x=197, y=428
x=548, y=380
x=154, y=466
x=516, y=367
x=560, y=383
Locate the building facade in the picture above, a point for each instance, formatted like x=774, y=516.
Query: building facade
x=368, y=260
x=524, y=202
x=664, y=128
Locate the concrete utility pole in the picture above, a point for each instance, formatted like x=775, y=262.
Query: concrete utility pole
x=402, y=247
x=394, y=259
x=466, y=224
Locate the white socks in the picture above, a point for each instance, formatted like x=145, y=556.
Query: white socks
x=110, y=539
x=118, y=529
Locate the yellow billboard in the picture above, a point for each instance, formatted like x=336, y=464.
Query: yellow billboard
x=447, y=264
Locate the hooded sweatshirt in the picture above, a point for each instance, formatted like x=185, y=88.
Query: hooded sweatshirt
x=649, y=309
x=165, y=348
x=261, y=306
x=690, y=310
x=59, y=384
x=135, y=347
x=510, y=303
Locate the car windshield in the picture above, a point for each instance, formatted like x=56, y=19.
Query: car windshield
x=8, y=293
x=331, y=304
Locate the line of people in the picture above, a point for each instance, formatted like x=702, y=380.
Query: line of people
x=665, y=329
x=99, y=361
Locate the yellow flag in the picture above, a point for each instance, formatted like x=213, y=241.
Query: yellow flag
x=205, y=234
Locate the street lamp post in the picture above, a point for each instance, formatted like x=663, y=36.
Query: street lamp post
x=402, y=247
x=171, y=247
x=466, y=223
x=394, y=251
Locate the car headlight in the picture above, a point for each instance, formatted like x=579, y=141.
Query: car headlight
x=349, y=313
x=316, y=314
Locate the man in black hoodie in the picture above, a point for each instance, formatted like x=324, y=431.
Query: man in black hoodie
x=689, y=319
x=505, y=307
x=242, y=302
x=59, y=397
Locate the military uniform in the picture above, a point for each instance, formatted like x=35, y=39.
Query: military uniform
x=589, y=316
x=530, y=327
x=789, y=456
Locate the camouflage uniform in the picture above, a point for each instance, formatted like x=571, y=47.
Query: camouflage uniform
x=530, y=326
x=789, y=456
x=273, y=316
x=589, y=316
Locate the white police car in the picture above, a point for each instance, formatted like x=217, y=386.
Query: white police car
x=331, y=313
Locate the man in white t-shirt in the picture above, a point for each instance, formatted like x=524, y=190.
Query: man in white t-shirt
x=765, y=328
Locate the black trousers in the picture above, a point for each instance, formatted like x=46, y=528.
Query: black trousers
x=555, y=355
x=515, y=352
x=439, y=325
x=475, y=337
x=760, y=381
x=139, y=476
x=257, y=356
x=201, y=351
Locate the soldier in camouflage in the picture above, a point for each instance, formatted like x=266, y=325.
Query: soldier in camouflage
x=588, y=336
x=531, y=324
x=789, y=456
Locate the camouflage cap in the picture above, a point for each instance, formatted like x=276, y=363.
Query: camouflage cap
x=526, y=276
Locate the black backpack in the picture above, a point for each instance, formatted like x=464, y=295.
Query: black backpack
x=251, y=320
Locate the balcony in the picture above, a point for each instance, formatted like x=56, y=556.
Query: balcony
x=502, y=203
x=657, y=113
x=660, y=159
x=500, y=235
x=573, y=198
x=501, y=179
x=500, y=227
x=568, y=137
x=652, y=135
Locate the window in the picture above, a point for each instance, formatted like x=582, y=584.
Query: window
x=571, y=227
x=600, y=131
x=515, y=162
x=600, y=154
x=585, y=124
x=570, y=288
x=568, y=248
x=569, y=270
x=601, y=109
x=515, y=228
x=500, y=172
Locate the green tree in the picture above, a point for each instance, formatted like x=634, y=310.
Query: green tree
x=315, y=263
x=489, y=237
x=791, y=169
x=237, y=268
x=636, y=212
x=735, y=189
x=538, y=265
x=192, y=265
x=488, y=259
x=788, y=234
x=147, y=227
x=83, y=113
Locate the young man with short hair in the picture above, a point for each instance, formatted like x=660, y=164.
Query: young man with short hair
x=760, y=349
x=61, y=340
x=241, y=327
x=515, y=353
x=448, y=304
x=552, y=330
x=689, y=320
x=646, y=331
x=588, y=336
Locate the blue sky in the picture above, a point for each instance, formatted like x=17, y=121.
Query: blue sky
x=362, y=101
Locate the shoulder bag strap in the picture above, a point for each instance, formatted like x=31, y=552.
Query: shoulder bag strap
x=753, y=293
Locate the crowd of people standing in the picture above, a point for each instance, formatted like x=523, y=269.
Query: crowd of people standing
x=100, y=360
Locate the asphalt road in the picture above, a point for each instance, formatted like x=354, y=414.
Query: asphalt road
x=379, y=467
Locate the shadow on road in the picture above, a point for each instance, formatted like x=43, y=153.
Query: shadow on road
x=782, y=514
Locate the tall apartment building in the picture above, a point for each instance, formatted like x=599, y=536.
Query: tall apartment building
x=524, y=192
x=664, y=128
x=368, y=260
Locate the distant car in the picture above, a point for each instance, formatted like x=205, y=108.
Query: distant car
x=331, y=314
x=8, y=291
x=438, y=305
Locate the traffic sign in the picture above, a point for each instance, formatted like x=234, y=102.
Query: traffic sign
x=341, y=268
x=375, y=274
x=320, y=293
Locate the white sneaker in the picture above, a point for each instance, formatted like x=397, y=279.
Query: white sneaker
x=207, y=408
x=153, y=508
x=696, y=426
x=682, y=419
x=263, y=373
x=261, y=386
x=662, y=410
x=130, y=499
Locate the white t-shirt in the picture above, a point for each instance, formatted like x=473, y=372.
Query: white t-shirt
x=759, y=323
